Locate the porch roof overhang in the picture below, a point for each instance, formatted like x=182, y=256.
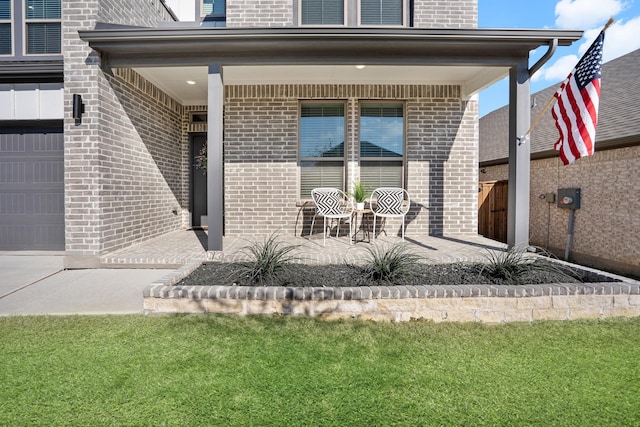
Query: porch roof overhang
x=471, y=58
x=141, y=47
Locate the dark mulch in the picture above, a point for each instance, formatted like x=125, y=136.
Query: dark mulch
x=350, y=275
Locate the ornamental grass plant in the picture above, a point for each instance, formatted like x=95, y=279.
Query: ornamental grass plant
x=389, y=264
x=516, y=263
x=267, y=259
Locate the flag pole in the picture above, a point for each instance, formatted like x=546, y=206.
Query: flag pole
x=522, y=139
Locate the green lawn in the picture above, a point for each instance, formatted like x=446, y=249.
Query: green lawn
x=283, y=371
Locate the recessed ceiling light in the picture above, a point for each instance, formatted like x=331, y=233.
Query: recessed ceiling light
x=360, y=67
x=190, y=82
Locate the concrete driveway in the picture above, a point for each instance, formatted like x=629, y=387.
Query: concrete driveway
x=37, y=284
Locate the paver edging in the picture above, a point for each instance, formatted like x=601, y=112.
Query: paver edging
x=479, y=302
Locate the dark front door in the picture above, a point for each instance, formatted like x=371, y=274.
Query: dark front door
x=31, y=188
x=198, y=184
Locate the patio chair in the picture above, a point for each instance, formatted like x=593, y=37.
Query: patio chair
x=331, y=203
x=389, y=202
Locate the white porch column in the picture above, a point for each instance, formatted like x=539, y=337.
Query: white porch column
x=519, y=155
x=215, y=164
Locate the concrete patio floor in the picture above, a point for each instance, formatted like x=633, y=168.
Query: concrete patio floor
x=180, y=247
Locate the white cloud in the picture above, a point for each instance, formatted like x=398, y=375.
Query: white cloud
x=557, y=71
x=585, y=13
x=621, y=38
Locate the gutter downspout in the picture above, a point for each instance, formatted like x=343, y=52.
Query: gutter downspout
x=550, y=51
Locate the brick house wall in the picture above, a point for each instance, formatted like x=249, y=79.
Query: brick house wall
x=445, y=14
x=122, y=174
x=281, y=13
x=259, y=13
x=261, y=170
x=607, y=223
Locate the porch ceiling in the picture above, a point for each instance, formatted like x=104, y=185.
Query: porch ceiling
x=173, y=80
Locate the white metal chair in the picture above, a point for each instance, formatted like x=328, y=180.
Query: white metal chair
x=331, y=203
x=389, y=202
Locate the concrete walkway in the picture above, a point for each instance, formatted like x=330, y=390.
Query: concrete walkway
x=38, y=285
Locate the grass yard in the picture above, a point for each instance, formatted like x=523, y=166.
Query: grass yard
x=284, y=371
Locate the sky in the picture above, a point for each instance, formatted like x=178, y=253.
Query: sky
x=622, y=37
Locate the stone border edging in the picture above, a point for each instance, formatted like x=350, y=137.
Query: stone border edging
x=484, y=303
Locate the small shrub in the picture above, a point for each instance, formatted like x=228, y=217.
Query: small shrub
x=267, y=259
x=359, y=192
x=389, y=265
x=515, y=263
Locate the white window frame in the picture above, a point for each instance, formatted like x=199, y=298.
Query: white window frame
x=342, y=159
x=404, y=23
x=27, y=21
x=345, y=18
x=12, y=27
x=403, y=158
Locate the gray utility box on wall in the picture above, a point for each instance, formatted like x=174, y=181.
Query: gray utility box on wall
x=569, y=198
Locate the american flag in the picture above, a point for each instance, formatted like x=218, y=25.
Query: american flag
x=576, y=108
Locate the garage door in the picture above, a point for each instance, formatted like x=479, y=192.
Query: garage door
x=31, y=188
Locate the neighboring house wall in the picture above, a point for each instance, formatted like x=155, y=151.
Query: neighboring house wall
x=607, y=223
x=261, y=160
x=122, y=174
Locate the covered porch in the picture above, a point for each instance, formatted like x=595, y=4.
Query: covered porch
x=459, y=61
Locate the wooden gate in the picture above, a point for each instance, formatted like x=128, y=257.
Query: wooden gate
x=492, y=209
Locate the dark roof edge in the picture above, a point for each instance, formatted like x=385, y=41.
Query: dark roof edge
x=100, y=33
x=612, y=144
x=52, y=70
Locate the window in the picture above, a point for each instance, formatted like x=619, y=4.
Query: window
x=198, y=117
x=321, y=146
x=214, y=13
x=43, y=33
x=5, y=28
x=381, y=12
x=322, y=12
x=382, y=145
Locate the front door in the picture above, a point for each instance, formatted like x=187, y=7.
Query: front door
x=198, y=184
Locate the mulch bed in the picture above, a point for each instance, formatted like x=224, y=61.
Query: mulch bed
x=351, y=275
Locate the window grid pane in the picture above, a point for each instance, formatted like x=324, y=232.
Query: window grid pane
x=381, y=12
x=207, y=7
x=382, y=145
x=321, y=147
x=43, y=38
x=381, y=130
x=5, y=39
x=374, y=174
x=43, y=9
x=5, y=10
x=322, y=130
x=320, y=174
x=213, y=7
x=322, y=12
